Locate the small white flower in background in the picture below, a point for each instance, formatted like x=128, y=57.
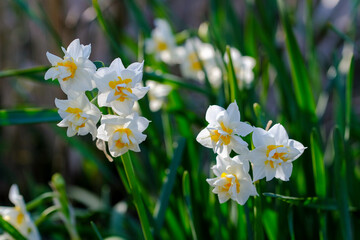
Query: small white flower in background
x=196, y=56
x=122, y=133
x=162, y=42
x=243, y=67
x=274, y=153
x=120, y=87
x=157, y=94
x=74, y=72
x=232, y=180
x=18, y=216
x=79, y=115
x=222, y=132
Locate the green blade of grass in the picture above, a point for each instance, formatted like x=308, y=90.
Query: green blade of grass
x=174, y=81
x=269, y=219
x=299, y=74
x=23, y=72
x=138, y=16
x=139, y=204
x=39, y=200
x=234, y=90
x=341, y=192
x=348, y=98
x=318, y=164
x=10, y=229
x=96, y=230
x=187, y=198
x=47, y=213
x=162, y=203
x=28, y=116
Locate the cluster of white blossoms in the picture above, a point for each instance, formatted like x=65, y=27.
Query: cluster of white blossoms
x=271, y=157
x=197, y=59
x=18, y=217
x=118, y=88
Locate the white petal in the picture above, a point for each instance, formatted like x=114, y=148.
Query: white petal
x=233, y=112
x=212, y=112
x=53, y=59
x=204, y=138
x=279, y=133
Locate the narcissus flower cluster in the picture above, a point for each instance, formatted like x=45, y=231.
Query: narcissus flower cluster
x=198, y=60
x=271, y=157
x=117, y=87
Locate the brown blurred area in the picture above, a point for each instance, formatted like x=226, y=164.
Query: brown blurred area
x=30, y=154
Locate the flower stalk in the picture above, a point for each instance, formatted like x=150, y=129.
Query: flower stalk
x=135, y=192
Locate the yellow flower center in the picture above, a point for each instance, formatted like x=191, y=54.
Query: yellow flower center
x=119, y=142
x=161, y=45
x=276, y=155
x=119, y=90
x=194, y=62
x=77, y=112
x=228, y=184
x=216, y=136
x=20, y=217
x=71, y=67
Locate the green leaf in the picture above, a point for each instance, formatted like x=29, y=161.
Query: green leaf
x=162, y=203
x=96, y=230
x=340, y=185
x=28, y=116
x=270, y=221
x=10, y=229
x=299, y=74
x=318, y=164
x=23, y=72
x=187, y=197
x=139, y=16
x=39, y=200
x=234, y=90
x=348, y=98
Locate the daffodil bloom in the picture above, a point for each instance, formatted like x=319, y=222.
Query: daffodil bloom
x=243, y=67
x=79, y=115
x=197, y=57
x=75, y=71
x=122, y=133
x=18, y=216
x=232, y=180
x=120, y=87
x=274, y=153
x=162, y=42
x=157, y=94
x=222, y=133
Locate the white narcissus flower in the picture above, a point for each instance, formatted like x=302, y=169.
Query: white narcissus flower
x=222, y=132
x=196, y=56
x=18, y=216
x=122, y=133
x=232, y=180
x=243, y=67
x=74, y=72
x=120, y=87
x=162, y=42
x=274, y=153
x=157, y=94
x=79, y=115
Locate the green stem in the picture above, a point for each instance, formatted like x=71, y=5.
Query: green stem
x=22, y=72
x=129, y=170
x=258, y=229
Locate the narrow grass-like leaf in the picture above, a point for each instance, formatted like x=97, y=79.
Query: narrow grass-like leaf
x=187, y=197
x=318, y=164
x=299, y=74
x=45, y=197
x=174, y=81
x=10, y=229
x=47, y=213
x=234, y=90
x=269, y=218
x=23, y=72
x=258, y=225
x=348, y=98
x=162, y=203
x=130, y=173
x=28, y=116
x=96, y=230
x=106, y=28
x=138, y=16
x=340, y=187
